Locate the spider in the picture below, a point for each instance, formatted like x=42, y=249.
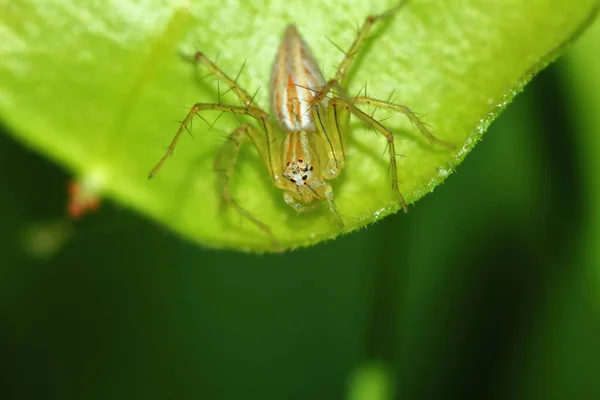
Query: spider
x=311, y=125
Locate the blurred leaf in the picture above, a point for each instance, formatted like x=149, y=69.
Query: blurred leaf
x=370, y=382
x=97, y=86
x=583, y=67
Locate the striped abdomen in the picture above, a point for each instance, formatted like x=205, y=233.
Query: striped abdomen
x=295, y=80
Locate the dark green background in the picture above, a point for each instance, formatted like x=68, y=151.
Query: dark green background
x=483, y=289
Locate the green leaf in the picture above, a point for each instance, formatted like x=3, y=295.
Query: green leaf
x=584, y=102
x=97, y=87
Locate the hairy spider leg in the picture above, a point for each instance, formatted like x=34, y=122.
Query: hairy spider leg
x=224, y=166
x=350, y=56
x=228, y=155
x=342, y=101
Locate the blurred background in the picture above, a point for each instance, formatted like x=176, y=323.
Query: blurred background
x=489, y=287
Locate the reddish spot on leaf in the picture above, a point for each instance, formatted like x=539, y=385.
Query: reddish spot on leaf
x=81, y=199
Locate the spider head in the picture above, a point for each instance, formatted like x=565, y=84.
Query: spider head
x=301, y=166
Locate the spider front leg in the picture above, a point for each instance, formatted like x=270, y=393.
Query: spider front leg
x=225, y=165
x=350, y=106
x=200, y=58
x=254, y=112
x=350, y=56
x=227, y=157
x=331, y=121
x=409, y=114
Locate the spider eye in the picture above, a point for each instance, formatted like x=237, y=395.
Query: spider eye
x=300, y=161
x=304, y=177
x=292, y=180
